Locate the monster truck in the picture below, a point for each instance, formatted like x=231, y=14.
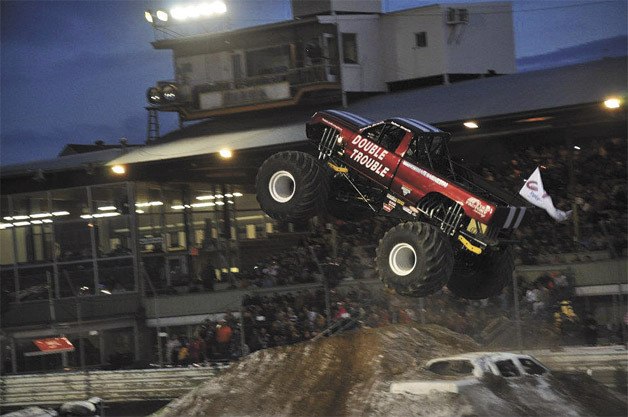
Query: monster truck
x=454, y=227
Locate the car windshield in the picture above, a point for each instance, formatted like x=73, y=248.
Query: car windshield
x=432, y=150
x=531, y=367
x=507, y=368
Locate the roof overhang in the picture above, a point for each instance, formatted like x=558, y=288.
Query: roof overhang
x=208, y=37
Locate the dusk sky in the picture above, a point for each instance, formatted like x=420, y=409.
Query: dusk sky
x=77, y=71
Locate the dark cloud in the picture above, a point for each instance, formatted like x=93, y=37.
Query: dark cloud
x=590, y=51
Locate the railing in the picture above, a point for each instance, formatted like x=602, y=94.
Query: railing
x=296, y=77
x=111, y=386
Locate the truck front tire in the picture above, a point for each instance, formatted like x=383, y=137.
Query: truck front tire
x=414, y=259
x=292, y=186
x=481, y=276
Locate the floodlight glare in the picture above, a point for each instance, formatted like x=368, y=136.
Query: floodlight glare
x=192, y=12
x=196, y=11
x=178, y=13
x=226, y=153
x=612, y=103
x=149, y=16
x=118, y=169
x=219, y=7
x=161, y=15
x=471, y=125
x=205, y=9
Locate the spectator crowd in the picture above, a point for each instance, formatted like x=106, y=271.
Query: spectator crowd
x=589, y=179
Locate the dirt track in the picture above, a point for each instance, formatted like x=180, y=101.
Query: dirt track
x=350, y=375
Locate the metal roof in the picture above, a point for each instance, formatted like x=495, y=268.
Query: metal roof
x=506, y=94
x=481, y=98
x=62, y=163
x=172, y=43
x=208, y=144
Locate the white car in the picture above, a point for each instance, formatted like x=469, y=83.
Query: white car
x=467, y=369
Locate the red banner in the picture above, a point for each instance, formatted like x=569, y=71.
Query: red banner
x=54, y=345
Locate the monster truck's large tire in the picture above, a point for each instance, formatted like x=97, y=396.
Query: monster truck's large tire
x=481, y=276
x=292, y=186
x=414, y=259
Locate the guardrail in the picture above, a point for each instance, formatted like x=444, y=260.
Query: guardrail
x=111, y=386
x=606, y=364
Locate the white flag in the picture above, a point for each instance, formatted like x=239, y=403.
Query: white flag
x=534, y=192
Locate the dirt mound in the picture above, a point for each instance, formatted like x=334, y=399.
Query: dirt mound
x=327, y=377
x=350, y=375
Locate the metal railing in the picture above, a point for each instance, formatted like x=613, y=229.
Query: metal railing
x=296, y=77
x=112, y=386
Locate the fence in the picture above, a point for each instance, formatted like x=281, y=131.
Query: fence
x=608, y=365
x=112, y=386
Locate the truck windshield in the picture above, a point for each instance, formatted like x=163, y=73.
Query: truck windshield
x=432, y=150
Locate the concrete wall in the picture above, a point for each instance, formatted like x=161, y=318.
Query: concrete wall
x=401, y=58
x=367, y=74
x=485, y=42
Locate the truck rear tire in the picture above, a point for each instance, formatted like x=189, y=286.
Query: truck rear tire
x=481, y=276
x=414, y=259
x=292, y=186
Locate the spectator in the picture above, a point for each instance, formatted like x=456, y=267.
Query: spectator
x=223, y=338
x=183, y=357
x=172, y=348
x=590, y=329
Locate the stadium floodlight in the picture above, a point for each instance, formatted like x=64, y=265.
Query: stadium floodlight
x=118, y=169
x=219, y=7
x=153, y=95
x=225, y=153
x=196, y=11
x=612, y=103
x=169, y=92
x=162, y=15
x=471, y=124
x=148, y=15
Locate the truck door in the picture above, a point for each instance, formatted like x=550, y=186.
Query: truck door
x=415, y=176
x=373, y=152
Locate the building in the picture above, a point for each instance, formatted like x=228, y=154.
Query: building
x=332, y=49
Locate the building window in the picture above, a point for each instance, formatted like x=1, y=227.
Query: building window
x=421, y=39
x=463, y=15
x=350, y=48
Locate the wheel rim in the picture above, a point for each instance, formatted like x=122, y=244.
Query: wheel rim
x=402, y=259
x=281, y=186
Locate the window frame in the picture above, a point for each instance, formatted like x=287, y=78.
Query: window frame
x=345, y=39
